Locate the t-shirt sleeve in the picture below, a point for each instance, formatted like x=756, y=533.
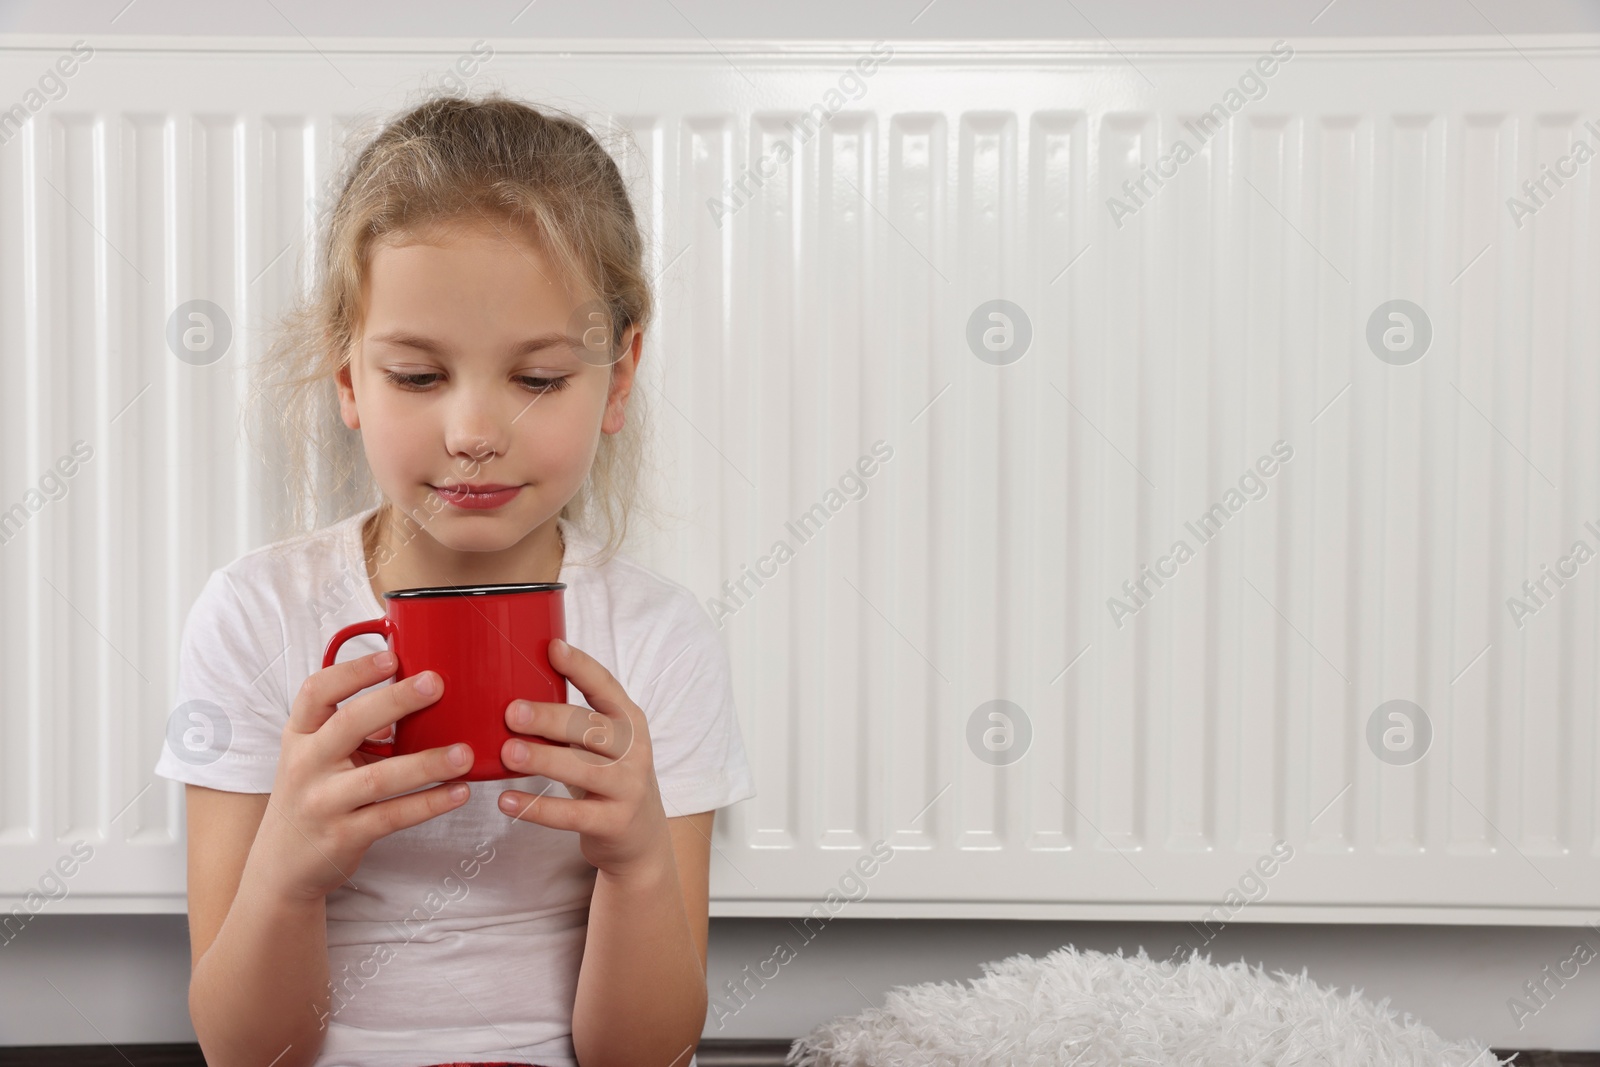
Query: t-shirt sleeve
x=226, y=725
x=694, y=731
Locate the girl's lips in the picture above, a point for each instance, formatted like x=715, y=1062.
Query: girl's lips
x=477, y=501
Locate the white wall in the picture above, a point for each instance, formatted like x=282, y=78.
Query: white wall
x=126, y=975
x=897, y=20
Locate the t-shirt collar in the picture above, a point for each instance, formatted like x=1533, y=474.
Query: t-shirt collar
x=576, y=547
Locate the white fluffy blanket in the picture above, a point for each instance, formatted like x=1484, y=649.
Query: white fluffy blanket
x=1090, y=1009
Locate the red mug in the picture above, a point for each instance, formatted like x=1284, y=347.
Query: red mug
x=490, y=644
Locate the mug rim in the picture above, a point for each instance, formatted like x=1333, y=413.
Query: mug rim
x=493, y=589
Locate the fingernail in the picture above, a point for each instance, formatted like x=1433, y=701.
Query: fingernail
x=457, y=754
x=458, y=791
x=384, y=660
x=557, y=645
x=519, y=751
x=425, y=684
x=521, y=714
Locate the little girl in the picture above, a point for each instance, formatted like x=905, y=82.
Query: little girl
x=478, y=317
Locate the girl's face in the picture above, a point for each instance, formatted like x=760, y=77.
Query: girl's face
x=470, y=370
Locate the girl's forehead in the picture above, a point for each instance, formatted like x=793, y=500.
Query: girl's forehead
x=458, y=235
x=474, y=237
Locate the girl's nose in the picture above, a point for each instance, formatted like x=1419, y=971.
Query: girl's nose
x=476, y=431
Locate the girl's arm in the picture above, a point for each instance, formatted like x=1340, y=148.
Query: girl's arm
x=260, y=958
x=641, y=998
x=642, y=986
x=261, y=867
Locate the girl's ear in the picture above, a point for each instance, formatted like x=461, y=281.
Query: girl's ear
x=347, y=397
x=622, y=372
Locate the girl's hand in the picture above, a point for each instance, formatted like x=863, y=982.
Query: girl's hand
x=327, y=805
x=608, y=768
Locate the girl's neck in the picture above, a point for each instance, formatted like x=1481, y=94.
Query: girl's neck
x=401, y=555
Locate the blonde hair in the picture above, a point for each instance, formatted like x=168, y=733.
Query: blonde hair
x=451, y=160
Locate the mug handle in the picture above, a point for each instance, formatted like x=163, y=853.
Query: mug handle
x=383, y=625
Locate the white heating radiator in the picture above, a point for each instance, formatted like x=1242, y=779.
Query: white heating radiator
x=823, y=288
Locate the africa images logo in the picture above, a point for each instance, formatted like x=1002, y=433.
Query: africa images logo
x=1252, y=85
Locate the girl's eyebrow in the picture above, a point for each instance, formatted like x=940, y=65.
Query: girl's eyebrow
x=521, y=348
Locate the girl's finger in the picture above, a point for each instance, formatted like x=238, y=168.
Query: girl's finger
x=609, y=736
x=399, y=813
x=322, y=690
x=356, y=787
x=558, y=813
x=569, y=766
x=598, y=685
x=369, y=713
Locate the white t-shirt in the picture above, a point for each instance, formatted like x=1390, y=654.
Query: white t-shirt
x=464, y=935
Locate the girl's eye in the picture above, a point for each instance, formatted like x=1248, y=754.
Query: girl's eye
x=542, y=385
x=410, y=381
x=422, y=381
